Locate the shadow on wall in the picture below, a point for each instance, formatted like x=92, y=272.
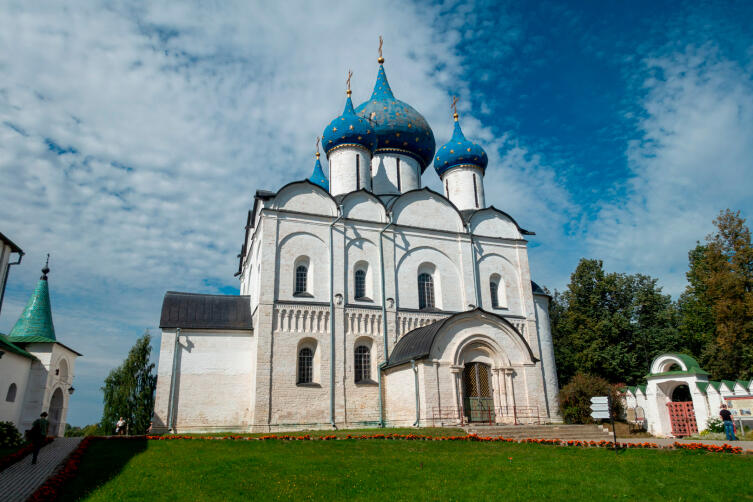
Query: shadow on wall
x=102, y=461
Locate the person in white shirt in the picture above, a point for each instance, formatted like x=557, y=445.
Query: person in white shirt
x=120, y=427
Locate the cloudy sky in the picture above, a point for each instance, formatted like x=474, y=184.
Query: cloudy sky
x=133, y=135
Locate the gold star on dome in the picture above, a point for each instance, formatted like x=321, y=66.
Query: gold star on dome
x=386, y=142
x=360, y=138
x=410, y=125
x=405, y=143
x=397, y=134
x=334, y=129
x=452, y=151
x=467, y=149
x=351, y=127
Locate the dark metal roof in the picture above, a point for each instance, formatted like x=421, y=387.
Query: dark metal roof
x=13, y=247
x=537, y=289
x=417, y=343
x=197, y=311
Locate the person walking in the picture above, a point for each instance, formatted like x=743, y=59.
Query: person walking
x=38, y=434
x=120, y=427
x=729, y=426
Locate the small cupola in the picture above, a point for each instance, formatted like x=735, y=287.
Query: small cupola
x=461, y=165
x=349, y=142
x=317, y=176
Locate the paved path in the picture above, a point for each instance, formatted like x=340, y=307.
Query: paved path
x=20, y=480
x=745, y=445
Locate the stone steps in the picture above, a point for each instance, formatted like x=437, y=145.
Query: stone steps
x=565, y=432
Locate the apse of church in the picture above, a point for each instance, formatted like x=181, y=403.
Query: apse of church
x=365, y=299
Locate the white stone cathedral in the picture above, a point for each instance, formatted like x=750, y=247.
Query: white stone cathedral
x=365, y=299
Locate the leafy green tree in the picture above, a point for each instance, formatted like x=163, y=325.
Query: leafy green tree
x=575, y=398
x=610, y=325
x=718, y=302
x=129, y=390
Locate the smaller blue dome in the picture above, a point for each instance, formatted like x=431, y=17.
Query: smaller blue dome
x=317, y=177
x=459, y=152
x=348, y=129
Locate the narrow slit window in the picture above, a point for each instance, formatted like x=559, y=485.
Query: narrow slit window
x=475, y=190
x=399, y=189
x=305, y=365
x=358, y=171
x=425, y=291
x=447, y=187
x=362, y=364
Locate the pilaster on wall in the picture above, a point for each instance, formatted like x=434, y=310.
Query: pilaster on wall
x=164, y=377
x=261, y=407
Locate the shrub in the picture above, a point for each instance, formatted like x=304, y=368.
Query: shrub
x=715, y=425
x=9, y=436
x=575, y=398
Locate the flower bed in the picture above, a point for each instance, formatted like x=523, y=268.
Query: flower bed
x=726, y=448
x=14, y=457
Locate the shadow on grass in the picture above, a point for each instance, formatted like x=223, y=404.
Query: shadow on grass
x=103, y=460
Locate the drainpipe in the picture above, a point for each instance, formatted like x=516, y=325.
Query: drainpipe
x=475, y=271
x=415, y=384
x=332, y=320
x=384, y=316
x=170, y=405
x=7, y=271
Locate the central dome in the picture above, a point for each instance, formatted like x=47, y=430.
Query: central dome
x=398, y=126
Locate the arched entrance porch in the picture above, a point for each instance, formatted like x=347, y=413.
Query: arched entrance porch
x=55, y=412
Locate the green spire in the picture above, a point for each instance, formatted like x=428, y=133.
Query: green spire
x=36, y=320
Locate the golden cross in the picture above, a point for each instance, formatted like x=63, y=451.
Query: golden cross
x=347, y=81
x=317, y=145
x=454, y=105
x=380, y=45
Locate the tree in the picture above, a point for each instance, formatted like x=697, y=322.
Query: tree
x=129, y=390
x=610, y=325
x=717, y=305
x=575, y=398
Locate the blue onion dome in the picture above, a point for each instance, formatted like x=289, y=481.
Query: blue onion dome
x=399, y=127
x=459, y=152
x=348, y=130
x=317, y=177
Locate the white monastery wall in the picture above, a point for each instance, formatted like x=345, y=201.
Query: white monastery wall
x=464, y=186
x=363, y=206
x=213, y=380
x=548, y=366
x=400, y=396
x=492, y=223
x=302, y=243
x=14, y=370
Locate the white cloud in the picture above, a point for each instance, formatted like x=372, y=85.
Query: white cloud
x=693, y=159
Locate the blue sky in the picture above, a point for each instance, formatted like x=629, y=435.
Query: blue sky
x=133, y=135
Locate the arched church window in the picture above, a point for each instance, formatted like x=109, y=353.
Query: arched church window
x=305, y=365
x=494, y=291
x=301, y=277
x=362, y=364
x=11, y=395
x=425, y=291
x=360, y=283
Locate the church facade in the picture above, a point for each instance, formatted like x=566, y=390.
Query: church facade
x=367, y=299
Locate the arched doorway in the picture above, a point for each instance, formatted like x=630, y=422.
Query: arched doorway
x=681, y=412
x=56, y=412
x=478, y=402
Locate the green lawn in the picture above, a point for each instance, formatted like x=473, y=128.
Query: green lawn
x=399, y=470
x=422, y=431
